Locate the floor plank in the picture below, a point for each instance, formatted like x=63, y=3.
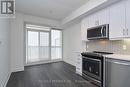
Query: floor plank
x=58, y=74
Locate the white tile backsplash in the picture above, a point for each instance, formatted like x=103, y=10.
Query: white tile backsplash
x=109, y=46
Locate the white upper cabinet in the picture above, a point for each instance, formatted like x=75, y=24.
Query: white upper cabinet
x=103, y=16
x=84, y=27
x=116, y=15
x=99, y=18
x=91, y=19
x=117, y=27
x=127, y=18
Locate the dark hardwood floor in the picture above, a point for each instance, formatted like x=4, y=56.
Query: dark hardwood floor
x=58, y=74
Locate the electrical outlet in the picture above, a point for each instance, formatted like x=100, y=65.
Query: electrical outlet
x=124, y=47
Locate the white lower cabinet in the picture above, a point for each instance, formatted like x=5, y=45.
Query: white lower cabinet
x=79, y=64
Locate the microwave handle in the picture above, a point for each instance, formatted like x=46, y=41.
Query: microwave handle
x=102, y=31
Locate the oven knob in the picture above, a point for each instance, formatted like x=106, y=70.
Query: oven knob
x=96, y=72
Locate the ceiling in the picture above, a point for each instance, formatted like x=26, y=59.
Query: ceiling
x=52, y=9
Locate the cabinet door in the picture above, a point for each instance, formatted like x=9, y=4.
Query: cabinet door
x=91, y=21
x=128, y=18
x=117, y=21
x=79, y=64
x=104, y=16
x=96, y=19
x=84, y=26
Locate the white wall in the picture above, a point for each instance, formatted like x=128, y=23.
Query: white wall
x=17, y=43
x=42, y=21
x=89, y=7
x=71, y=43
x=17, y=37
x=4, y=51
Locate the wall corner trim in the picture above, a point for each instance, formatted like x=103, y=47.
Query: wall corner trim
x=8, y=77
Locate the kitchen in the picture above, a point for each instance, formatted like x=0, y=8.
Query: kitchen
x=65, y=43
x=105, y=60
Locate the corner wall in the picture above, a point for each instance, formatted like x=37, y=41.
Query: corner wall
x=72, y=43
x=18, y=38
x=4, y=51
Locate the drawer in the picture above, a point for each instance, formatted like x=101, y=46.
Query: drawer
x=79, y=65
x=78, y=68
x=78, y=62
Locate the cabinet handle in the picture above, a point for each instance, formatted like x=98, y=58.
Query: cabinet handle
x=78, y=62
x=127, y=31
x=119, y=63
x=123, y=32
x=102, y=31
x=125, y=64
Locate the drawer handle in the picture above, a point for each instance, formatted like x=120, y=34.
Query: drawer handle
x=78, y=62
x=126, y=64
x=119, y=63
x=127, y=32
x=78, y=68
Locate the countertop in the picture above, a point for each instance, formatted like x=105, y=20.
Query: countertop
x=118, y=56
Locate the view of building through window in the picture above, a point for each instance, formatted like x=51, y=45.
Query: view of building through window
x=43, y=44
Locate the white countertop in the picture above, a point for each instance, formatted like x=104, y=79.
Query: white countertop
x=118, y=56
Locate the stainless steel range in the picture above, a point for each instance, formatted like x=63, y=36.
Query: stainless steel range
x=93, y=66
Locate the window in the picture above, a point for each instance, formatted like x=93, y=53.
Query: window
x=33, y=51
x=38, y=46
x=56, y=44
x=42, y=47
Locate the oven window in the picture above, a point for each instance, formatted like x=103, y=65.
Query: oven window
x=91, y=66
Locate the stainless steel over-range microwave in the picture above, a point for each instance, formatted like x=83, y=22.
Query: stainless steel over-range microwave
x=98, y=32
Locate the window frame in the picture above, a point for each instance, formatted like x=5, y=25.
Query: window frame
x=61, y=41
x=26, y=44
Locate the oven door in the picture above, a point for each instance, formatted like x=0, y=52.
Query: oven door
x=92, y=68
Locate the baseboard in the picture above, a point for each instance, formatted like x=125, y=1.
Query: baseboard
x=42, y=62
x=7, y=79
x=69, y=62
x=17, y=69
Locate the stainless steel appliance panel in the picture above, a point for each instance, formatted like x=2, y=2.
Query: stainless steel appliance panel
x=117, y=73
x=98, y=32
